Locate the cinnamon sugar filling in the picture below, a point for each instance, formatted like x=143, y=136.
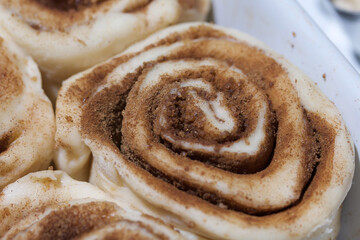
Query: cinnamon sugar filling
x=5, y=142
x=126, y=230
x=108, y=122
x=167, y=112
x=185, y=121
x=137, y=6
x=66, y=5
x=7, y=139
x=11, y=84
x=56, y=15
x=69, y=222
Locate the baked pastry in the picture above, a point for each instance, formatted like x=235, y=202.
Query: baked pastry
x=210, y=129
x=65, y=37
x=27, y=120
x=347, y=5
x=51, y=205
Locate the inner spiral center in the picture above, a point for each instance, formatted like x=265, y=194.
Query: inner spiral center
x=194, y=108
x=214, y=116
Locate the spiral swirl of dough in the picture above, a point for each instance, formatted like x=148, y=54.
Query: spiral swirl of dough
x=27, y=121
x=213, y=127
x=51, y=205
x=65, y=37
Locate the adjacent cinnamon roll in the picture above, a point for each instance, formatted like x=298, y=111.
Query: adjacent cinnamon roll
x=211, y=130
x=65, y=37
x=51, y=205
x=27, y=121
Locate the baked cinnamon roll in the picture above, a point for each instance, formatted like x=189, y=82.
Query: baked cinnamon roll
x=51, y=205
x=65, y=37
x=27, y=121
x=211, y=130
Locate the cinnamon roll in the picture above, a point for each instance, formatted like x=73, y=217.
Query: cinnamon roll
x=51, y=205
x=211, y=130
x=27, y=121
x=65, y=37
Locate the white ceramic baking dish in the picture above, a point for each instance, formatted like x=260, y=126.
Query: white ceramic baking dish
x=286, y=28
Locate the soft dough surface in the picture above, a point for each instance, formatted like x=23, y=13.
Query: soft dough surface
x=51, y=205
x=208, y=128
x=27, y=121
x=65, y=37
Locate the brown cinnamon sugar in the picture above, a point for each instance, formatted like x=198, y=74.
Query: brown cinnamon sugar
x=186, y=121
x=137, y=6
x=319, y=172
x=125, y=229
x=56, y=15
x=11, y=84
x=188, y=188
x=5, y=142
x=69, y=222
x=189, y=3
x=66, y=5
x=95, y=78
x=103, y=115
x=105, y=120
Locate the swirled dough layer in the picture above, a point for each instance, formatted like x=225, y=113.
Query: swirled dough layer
x=211, y=130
